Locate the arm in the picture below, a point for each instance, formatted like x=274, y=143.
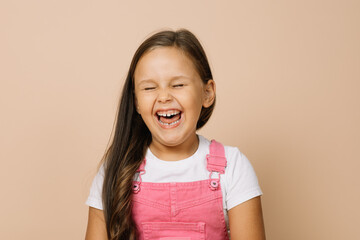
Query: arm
x=246, y=221
x=96, y=228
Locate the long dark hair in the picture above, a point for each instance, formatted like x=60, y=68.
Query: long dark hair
x=132, y=137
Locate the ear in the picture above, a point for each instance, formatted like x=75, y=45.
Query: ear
x=209, y=93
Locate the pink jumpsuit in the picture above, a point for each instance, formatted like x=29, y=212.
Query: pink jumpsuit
x=182, y=210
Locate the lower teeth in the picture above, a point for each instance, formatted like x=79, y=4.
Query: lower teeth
x=169, y=124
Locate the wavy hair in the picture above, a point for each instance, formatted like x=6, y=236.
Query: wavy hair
x=132, y=137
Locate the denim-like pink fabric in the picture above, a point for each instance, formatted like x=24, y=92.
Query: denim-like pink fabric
x=182, y=210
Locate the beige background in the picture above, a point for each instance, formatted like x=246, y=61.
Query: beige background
x=288, y=81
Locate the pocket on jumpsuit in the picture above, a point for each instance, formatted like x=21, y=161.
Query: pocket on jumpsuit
x=174, y=230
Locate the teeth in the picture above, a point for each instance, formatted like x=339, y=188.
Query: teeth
x=168, y=114
x=169, y=124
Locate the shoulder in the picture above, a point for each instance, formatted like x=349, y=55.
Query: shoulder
x=232, y=153
x=237, y=162
x=234, y=157
x=95, y=197
x=100, y=173
x=238, y=166
x=241, y=182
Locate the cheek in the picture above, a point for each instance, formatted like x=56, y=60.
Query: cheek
x=144, y=103
x=193, y=101
x=197, y=96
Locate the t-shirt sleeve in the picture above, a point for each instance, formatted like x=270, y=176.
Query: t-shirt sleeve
x=241, y=180
x=95, y=196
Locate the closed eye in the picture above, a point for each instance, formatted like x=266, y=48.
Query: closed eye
x=149, y=88
x=178, y=85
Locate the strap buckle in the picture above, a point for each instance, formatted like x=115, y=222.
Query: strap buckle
x=216, y=163
x=214, y=182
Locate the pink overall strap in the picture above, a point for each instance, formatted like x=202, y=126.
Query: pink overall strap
x=216, y=160
x=141, y=171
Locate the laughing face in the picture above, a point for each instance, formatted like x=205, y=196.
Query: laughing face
x=169, y=96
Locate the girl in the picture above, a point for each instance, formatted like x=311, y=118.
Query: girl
x=159, y=179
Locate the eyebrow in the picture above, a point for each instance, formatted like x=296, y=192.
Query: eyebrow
x=171, y=79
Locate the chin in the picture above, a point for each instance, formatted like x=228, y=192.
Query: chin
x=170, y=142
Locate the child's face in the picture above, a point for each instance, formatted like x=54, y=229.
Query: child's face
x=170, y=94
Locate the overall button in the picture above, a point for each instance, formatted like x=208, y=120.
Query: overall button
x=214, y=184
x=136, y=187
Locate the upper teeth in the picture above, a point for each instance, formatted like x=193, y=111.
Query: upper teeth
x=167, y=114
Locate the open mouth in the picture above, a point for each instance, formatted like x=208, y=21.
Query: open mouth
x=169, y=118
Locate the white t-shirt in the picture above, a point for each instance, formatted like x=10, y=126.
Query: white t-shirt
x=238, y=184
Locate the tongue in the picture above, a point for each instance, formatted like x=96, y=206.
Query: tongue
x=170, y=120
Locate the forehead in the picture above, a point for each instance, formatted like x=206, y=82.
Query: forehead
x=162, y=62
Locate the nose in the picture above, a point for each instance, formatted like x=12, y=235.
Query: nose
x=164, y=96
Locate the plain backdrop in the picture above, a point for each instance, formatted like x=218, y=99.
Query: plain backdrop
x=288, y=81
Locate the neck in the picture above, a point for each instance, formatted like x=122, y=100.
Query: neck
x=175, y=153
